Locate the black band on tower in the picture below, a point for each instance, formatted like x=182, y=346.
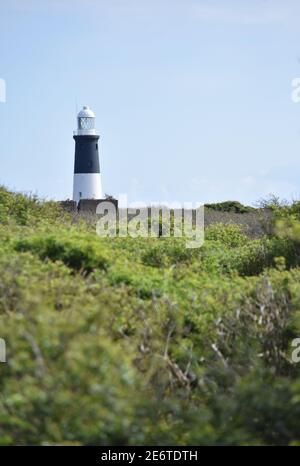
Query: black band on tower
x=86, y=154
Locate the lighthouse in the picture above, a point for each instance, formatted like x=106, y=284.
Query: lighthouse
x=87, y=178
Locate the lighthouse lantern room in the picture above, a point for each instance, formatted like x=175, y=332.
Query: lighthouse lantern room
x=87, y=178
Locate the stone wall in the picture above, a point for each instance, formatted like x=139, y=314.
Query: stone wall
x=85, y=205
x=69, y=206
x=90, y=205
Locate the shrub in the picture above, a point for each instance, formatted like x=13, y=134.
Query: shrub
x=169, y=346
x=167, y=253
x=230, y=206
x=77, y=253
x=28, y=209
x=229, y=235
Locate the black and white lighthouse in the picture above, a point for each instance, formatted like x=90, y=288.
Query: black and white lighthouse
x=87, y=178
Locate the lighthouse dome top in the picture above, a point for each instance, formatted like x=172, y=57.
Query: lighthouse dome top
x=86, y=112
x=86, y=122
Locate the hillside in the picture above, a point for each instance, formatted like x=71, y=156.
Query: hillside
x=143, y=341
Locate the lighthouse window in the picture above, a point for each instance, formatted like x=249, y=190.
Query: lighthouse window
x=80, y=194
x=86, y=123
x=97, y=146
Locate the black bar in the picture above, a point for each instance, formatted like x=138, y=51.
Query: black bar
x=102, y=455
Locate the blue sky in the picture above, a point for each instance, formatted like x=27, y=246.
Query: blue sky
x=192, y=97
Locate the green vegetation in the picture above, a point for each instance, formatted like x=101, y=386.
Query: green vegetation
x=142, y=341
x=230, y=206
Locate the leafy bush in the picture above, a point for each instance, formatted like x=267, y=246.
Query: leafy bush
x=230, y=206
x=24, y=209
x=167, y=253
x=229, y=235
x=143, y=341
x=77, y=253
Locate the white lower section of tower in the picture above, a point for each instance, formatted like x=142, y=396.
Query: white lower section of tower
x=87, y=186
